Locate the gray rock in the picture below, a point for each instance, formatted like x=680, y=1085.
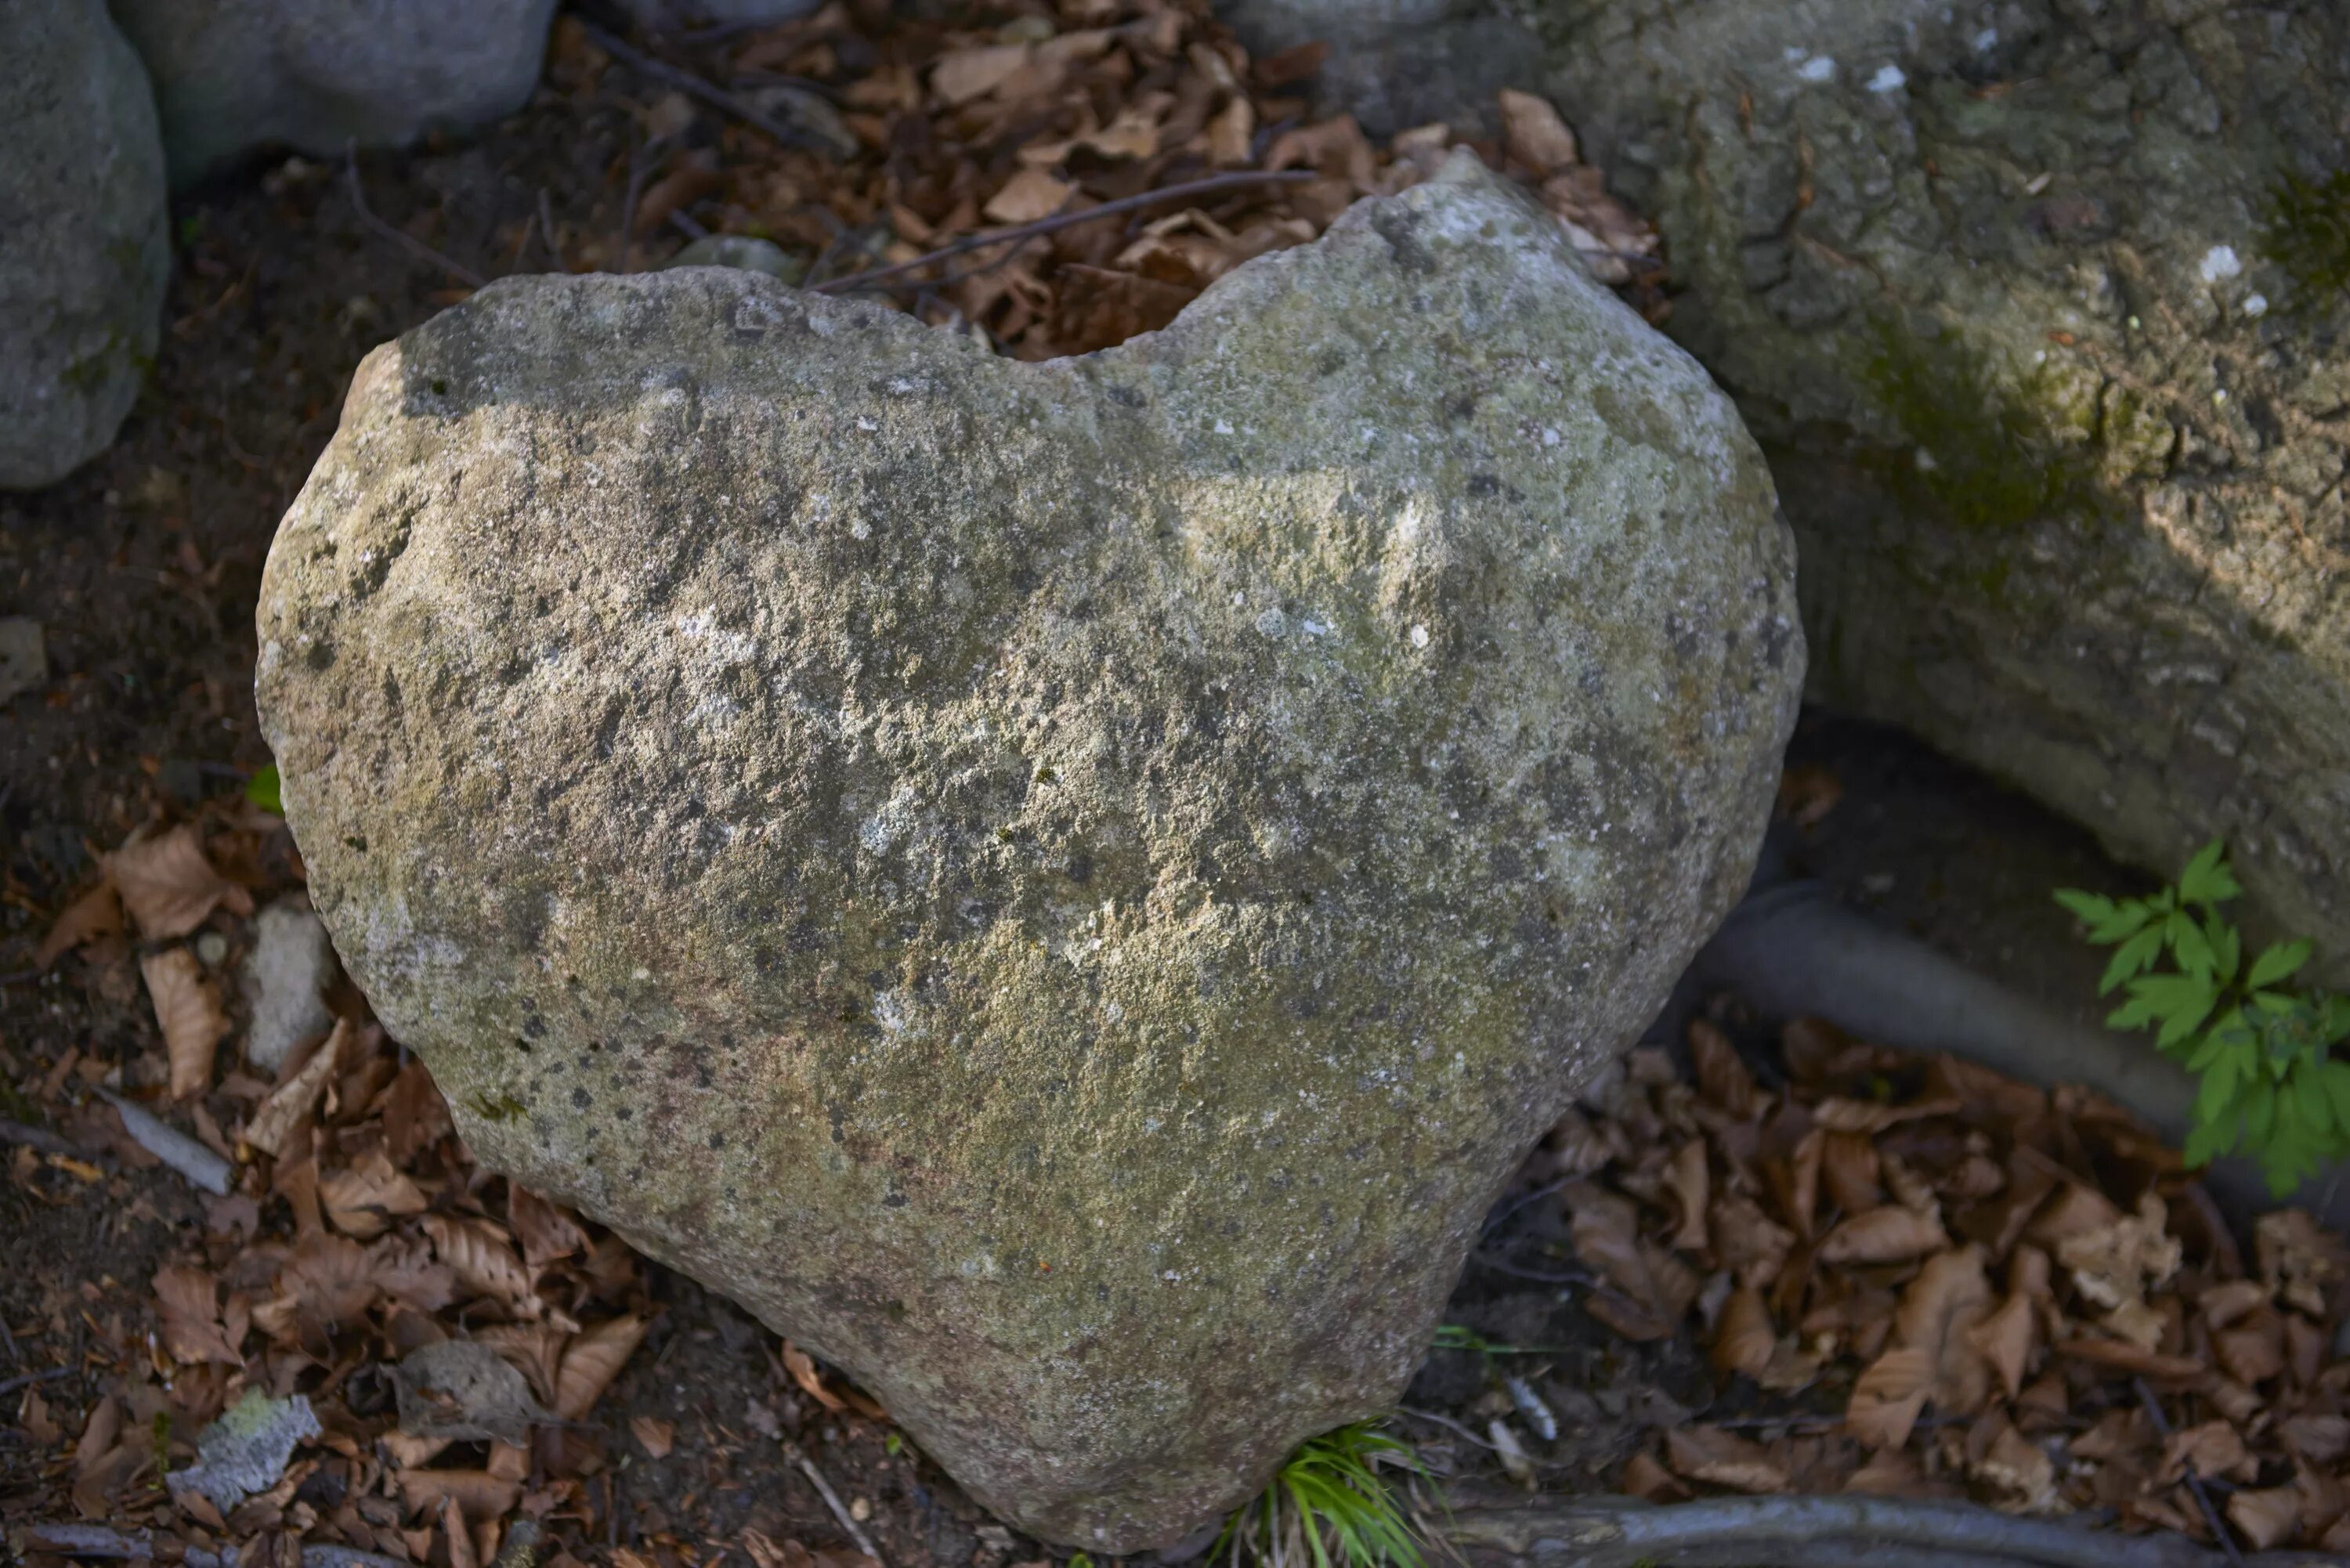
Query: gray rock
x=462, y=1390
x=1064, y=887
x=24, y=656
x=232, y=76
x=85, y=242
x=741, y=251
x=2052, y=399
x=245, y=1451
x=677, y=15
x=286, y=977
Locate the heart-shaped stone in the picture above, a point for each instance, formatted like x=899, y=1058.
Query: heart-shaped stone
x=1066, y=888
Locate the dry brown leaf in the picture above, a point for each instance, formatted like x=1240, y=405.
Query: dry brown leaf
x=768, y=1552
x=2123, y=1355
x=1868, y=1116
x=291, y=1105
x=1747, y=1242
x=188, y=1009
x=1688, y=1182
x=1744, y=1336
x=1027, y=197
x=97, y=913
x=1888, y=1398
x=653, y=1435
x=2320, y=1437
x=1659, y=1287
x=1723, y=1458
x=1949, y=1297
x=534, y=1349
x=1891, y=1234
x=1230, y=132
x=169, y=886
x=592, y=1361
x=460, y=1539
x=2114, y=1263
x=962, y=75
x=2005, y=1339
x=2213, y=1449
x=484, y=1263
x=2268, y=1517
x=1650, y=1481
x=546, y=1231
x=187, y=1311
x=803, y=1370
x=329, y=1282
x=1721, y=1078
x=363, y=1200
x=2303, y=1262
x=2020, y=1471
x=404, y=1268
x=478, y=1493
x=1534, y=134
x=1850, y=1165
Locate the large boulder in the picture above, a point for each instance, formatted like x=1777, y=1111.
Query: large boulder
x=2039, y=310
x=1065, y=887
x=85, y=241
x=232, y=76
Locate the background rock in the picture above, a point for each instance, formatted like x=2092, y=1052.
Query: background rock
x=87, y=243
x=2028, y=304
x=232, y=76
x=286, y=976
x=1064, y=887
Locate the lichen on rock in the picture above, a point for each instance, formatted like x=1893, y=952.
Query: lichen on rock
x=1064, y=887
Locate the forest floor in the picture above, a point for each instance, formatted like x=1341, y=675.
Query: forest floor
x=1609, y=1332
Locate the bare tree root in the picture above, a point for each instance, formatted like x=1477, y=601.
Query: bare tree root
x=1813, y=1533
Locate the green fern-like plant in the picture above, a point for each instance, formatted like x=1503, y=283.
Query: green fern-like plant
x=1331, y=1507
x=2260, y=1048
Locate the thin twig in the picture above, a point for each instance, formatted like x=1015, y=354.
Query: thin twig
x=798, y=1456
x=1536, y=1196
x=1060, y=221
x=8, y=1339
x=546, y=232
x=2194, y=1482
x=638, y=147
x=1540, y=1276
x=41, y=1138
x=402, y=237
x=27, y=1379
x=699, y=87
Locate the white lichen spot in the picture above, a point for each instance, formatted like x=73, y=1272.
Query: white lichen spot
x=1223, y=427
x=2220, y=262
x=1986, y=40
x=1550, y=437
x=641, y=974
x=1311, y=628
x=1273, y=623
x=891, y=1012
x=2256, y=305
x=864, y=423
x=1418, y=635
x=1889, y=78
x=1818, y=69
x=860, y=529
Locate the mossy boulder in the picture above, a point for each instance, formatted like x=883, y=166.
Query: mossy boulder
x=1064, y=887
x=2041, y=311
x=85, y=242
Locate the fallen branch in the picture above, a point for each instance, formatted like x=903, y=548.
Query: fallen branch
x=2217, y=1525
x=402, y=237
x=698, y=86
x=1814, y=1532
x=25, y=1379
x=135, y=1545
x=37, y=1137
x=1060, y=221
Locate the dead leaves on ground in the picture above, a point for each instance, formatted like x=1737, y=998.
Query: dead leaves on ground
x=1979, y=1278
x=918, y=131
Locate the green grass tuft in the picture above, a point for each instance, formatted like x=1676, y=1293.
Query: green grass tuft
x=1330, y=1507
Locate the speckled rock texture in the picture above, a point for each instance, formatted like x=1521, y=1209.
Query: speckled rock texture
x=1065, y=887
x=85, y=242
x=234, y=76
x=2029, y=305
x=2041, y=312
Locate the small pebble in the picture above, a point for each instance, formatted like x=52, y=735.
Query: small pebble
x=212, y=947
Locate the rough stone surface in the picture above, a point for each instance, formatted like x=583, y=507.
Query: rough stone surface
x=286, y=977
x=232, y=75
x=1064, y=887
x=1998, y=287
x=85, y=243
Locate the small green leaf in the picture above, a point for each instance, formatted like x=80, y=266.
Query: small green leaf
x=2309, y=1093
x=2131, y=958
x=893, y=1443
x=2335, y=1076
x=2208, y=880
x=2227, y=945
x=2275, y=1004
x=2090, y=909
x=2277, y=962
x=2135, y=1013
x=2208, y=1141
x=2334, y=1019
x=2187, y=942
x=2260, y=1112
x=261, y=789
x=2219, y=1089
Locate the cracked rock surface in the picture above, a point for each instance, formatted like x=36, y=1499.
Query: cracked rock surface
x=1064, y=887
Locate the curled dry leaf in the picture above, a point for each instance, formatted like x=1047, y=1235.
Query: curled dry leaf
x=169, y=886
x=187, y=1311
x=97, y=913
x=2020, y=1472
x=478, y=1493
x=1027, y=197
x=592, y=1361
x=1889, y=1396
x=2005, y=1339
x=546, y=1231
x=1949, y=1297
x=2112, y=1264
x=363, y=1200
x=2302, y=1263
x=1745, y=1335
x=803, y=1373
x=291, y=1105
x=2267, y=1517
x=188, y=1008
x=2213, y=1449
x=1686, y=1180
x=1723, y=1458
x=653, y=1435
x=1721, y=1078
x=1889, y=1234
x=484, y=1263
x=1534, y=134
